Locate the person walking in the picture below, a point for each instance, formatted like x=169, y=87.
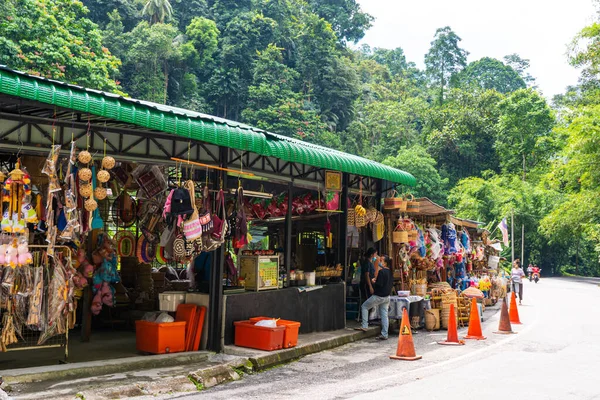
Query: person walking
x=382, y=288
x=516, y=276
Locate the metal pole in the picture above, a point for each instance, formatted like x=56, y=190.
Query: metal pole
x=512, y=235
x=288, y=234
x=215, y=315
x=523, y=245
x=343, y=223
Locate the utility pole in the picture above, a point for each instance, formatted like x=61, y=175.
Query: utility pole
x=512, y=236
x=523, y=245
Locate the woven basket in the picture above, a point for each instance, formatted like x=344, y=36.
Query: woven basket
x=400, y=237
x=413, y=235
x=445, y=317
x=412, y=205
x=371, y=215
x=351, y=217
x=360, y=221
x=394, y=203
x=432, y=319
x=420, y=289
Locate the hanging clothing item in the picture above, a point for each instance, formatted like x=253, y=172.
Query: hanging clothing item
x=449, y=237
x=465, y=240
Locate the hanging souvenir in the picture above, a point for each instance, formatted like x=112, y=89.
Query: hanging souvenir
x=84, y=157
x=126, y=243
x=108, y=162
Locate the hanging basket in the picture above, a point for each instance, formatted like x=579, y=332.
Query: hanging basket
x=413, y=235
x=394, y=203
x=400, y=237
x=412, y=205
x=351, y=218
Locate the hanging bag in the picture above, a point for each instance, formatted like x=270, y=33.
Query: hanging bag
x=241, y=227
x=192, y=227
x=217, y=238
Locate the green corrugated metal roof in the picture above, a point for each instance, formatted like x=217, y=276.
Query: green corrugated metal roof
x=191, y=124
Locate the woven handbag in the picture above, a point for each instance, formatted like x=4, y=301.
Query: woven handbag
x=351, y=217
x=192, y=228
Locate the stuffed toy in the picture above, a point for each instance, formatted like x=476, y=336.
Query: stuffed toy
x=3, y=249
x=25, y=257
x=12, y=256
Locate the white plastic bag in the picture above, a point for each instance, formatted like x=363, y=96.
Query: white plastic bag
x=269, y=323
x=164, y=318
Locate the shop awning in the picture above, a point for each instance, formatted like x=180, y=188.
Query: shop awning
x=192, y=125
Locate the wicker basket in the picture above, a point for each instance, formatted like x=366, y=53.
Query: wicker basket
x=420, y=289
x=445, y=317
x=394, y=203
x=360, y=221
x=412, y=205
x=351, y=217
x=400, y=237
x=413, y=235
x=432, y=319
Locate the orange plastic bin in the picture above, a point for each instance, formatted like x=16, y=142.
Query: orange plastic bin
x=258, y=337
x=151, y=337
x=290, y=338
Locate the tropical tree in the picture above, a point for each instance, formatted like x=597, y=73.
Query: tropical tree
x=489, y=73
x=444, y=59
x=524, y=131
x=54, y=39
x=423, y=167
x=158, y=11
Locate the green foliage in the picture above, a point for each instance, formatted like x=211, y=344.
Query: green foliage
x=347, y=19
x=489, y=73
x=444, y=59
x=158, y=11
x=52, y=38
x=418, y=162
x=524, y=131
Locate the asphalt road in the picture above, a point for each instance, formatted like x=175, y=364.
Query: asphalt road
x=555, y=355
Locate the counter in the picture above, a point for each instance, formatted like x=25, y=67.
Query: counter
x=317, y=310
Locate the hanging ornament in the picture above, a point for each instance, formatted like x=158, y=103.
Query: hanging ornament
x=103, y=176
x=100, y=193
x=90, y=204
x=108, y=162
x=85, y=174
x=84, y=157
x=85, y=190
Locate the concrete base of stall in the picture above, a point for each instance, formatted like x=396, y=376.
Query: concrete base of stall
x=319, y=309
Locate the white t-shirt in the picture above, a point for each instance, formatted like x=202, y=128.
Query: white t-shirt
x=517, y=274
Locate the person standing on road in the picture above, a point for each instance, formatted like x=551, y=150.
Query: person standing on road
x=516, y=276
x=382, y=288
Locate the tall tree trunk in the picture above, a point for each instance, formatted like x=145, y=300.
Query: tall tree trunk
x=166, y=71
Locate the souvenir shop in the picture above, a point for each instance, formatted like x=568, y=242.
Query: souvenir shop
x=437, y=255
x=113, y=208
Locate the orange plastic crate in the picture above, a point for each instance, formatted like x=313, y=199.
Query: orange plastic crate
x=290, y=337
x=258, y=337
x=154, y=338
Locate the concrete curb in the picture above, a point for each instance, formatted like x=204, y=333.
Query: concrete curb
x=97, y=368
x=272, y=359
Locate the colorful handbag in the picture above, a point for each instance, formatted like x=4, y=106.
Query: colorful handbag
x=192, y=227
x=217, y=238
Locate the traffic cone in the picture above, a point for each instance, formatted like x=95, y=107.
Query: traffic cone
x=504, y=326
x=474, y=323
x=406, y=346
x=452, y=339
x=514, y=312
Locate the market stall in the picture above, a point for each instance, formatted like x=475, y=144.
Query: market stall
x=139, y=207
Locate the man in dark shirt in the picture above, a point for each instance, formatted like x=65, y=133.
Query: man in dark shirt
x=367, y=273
x=382, y=288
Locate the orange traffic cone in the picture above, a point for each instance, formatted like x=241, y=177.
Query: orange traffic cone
x=514, y=312
x=406, y=346
x=474, y=323
x=452, y=339
x=504, y=326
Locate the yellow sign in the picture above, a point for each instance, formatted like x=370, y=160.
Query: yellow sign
x=405, y=330
x=333, y=180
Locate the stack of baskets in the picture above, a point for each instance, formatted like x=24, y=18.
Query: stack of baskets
x=448, y=298
x=464, y=310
